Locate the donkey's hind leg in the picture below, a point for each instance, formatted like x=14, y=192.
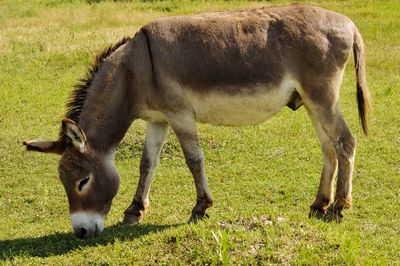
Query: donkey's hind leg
x=338, y=137
x=184, y=126
x=155, y=137
x=321, y=96
x=325, y=190
x=345, y=148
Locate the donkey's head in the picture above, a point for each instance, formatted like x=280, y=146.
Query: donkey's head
x=89, y=178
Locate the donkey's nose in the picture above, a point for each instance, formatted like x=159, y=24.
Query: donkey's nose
x=82, y=233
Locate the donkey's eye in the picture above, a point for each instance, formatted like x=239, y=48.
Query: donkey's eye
x=82, y=183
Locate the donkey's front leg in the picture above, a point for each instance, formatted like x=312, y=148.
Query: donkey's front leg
x=184, y=126
x=155, y=137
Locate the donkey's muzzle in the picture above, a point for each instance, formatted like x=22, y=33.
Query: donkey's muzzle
x=87, y=225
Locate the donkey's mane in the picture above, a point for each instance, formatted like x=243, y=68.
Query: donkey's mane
x=79, y=94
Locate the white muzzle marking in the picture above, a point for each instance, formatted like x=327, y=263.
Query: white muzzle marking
x=87, y=224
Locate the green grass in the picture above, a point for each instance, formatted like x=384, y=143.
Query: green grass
x=262, y=178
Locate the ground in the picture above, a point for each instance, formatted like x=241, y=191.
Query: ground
x=263, y=178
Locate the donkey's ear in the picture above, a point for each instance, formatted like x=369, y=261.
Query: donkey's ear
x=73, y=131
x=57, y=147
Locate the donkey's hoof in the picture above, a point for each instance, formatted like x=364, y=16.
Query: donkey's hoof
x=197, y=217
x=334, y=215
x=317, y=213
x=132, y=219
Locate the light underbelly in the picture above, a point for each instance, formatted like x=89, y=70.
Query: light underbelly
x=239, y=109
x=218, y=107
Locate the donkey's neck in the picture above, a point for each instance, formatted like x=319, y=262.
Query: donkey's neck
x=109, y=108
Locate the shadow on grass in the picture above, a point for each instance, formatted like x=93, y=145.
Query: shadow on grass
x=62, y=243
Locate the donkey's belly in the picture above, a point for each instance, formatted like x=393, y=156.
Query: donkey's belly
x=240, y=109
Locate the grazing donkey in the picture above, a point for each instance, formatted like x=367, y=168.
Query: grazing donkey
x=229, y=68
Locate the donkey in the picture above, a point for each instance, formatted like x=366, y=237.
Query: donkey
x=226, y=68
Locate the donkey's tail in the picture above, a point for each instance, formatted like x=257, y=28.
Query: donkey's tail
x=363, y=97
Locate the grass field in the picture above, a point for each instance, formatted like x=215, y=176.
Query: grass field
x=263, y=178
